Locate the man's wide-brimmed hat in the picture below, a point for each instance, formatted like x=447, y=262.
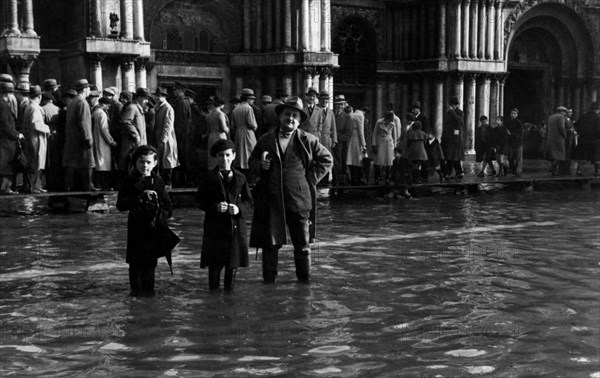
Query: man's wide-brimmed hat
x=108, y=91
x=339, y=99
x=266, y=99
x=312, y=90
x=221, y=145
x=293, y=103
x=6, y=87
x=562, y=109
x=35, y=91
x=415, y=104
x=142, y=92
x=80, y=84
x=50, y=84
x=161, y=91
x=248, y=93
x=324, y=94
x=6, y=78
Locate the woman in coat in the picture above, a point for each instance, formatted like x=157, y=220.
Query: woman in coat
x=224, y=243
x=103, y=143
x=383, y=143
x=357, y=146
x=217, y=128
x=557, y=135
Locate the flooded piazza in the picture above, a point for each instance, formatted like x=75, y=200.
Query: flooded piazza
x=501, y=285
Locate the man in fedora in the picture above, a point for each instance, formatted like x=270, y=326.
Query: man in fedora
x=78, y=156
x=314, y=123
x=286, y=165
x=12, y=100
x=164, y=134
x=133, y=127
x=183, y=122
x=36, y=139
x=453, y=138
x=244, y=125
x=557, y=135
x=341, y=173
x=328, y=137
x=9, y=137
x=51, y=86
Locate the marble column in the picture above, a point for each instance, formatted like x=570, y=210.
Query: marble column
x=413, y=32
x=438, y=110
x=470, y=119
x=422, y=37
x=457, y=29
x=140, y=73
x=95, y=14
x=466, y=24
x=28, y=18
x=258, y=26
x=12, y=18
x=474, y=29
x=304, y=26
x=406, y=32
x=138, y=20
x=501, y=94
x=494, y=89
x=325, y=25
x=126, y=19
x=267, y=27
x=277, y=18
x=481, y=37
x=378, y=100
x=431, y=44
x=441, y=21
x=20, y=65
x=247, y=28
x=128, y=75
x=499, y=33
x=426, y=95
x=96, y=71
x=392, y=93
x=404, y=104
x=459, y=88
x=483, y=97
x=307, y=74
x=287, y=25
x=489, y=51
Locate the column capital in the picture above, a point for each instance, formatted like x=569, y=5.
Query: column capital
x=325, y=70
x=472, y=76
x=503, y=78
x=140, y=64
x=484, y=77
x=127, y=63
x=96, y=57
x=308, y=70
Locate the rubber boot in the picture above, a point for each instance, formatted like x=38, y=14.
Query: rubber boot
x=229, y=280
x=303, y=268
x=214, y=277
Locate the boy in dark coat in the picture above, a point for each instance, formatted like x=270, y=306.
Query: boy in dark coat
x=402, y=173
x=144, y=195
x=225, y=198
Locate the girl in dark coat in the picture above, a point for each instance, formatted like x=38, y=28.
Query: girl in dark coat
x=143, y=194
x=225, y=198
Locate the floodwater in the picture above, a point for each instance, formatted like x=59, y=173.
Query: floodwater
x=495, y=285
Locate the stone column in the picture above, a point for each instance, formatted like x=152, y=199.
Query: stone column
x=459, y=88
x=481, y=37
x=406, y=32
x=441, y=21
x=140, y=73
x=138, y=20
x=474, y=29
x=483, y=97
x=96, y=71
x=438, y=100
x=287, y=25
x=431, y=30
x=247, y=28
x=470, y=119
x=392, y=92
x=413, y=32
x=489, y=51
x=576, y=105
x=330, y=85
x=499, y=32
x=325, y=24
x=126, y=19
x=304, y=26
x=457, y=29
x=494, y=89
x=128, y=75
x=422, y=37
x=20, y=65
x=466, y=23
x=239, y=84
x=28, y=18
x=258, y=27
x=378, y=100
x=561, y=93
x=267, y=27
x=404, y=104
x=12, y=18
x=501, y=94
x=278, y=31
x=95, y=14
x=426, y=96
x=307, y=74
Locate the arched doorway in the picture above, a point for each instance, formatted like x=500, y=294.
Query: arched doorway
x=355, y=42
x=547, y=61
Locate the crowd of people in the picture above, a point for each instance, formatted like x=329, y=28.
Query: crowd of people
x=83, y=138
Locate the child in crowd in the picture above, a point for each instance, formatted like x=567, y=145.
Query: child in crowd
x=435, y=155
x=143, y=194
x=226, y=200
x=480, y=144
x=402, y=172
x=415, y=149
x=500, y=146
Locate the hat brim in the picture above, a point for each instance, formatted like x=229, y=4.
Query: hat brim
x=303, y=115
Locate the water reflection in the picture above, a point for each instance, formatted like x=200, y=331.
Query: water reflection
x=505, y=285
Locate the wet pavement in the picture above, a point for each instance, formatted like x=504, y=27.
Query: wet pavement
x=502, y=284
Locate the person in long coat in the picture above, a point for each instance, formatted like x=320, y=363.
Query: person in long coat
x=78, y=156
x=286, y=166
x=314, y=122
x=340, y=151
x=588, y=145
x=453, y=139
x=225, y=198
x=383, y=143
x=133, y=127
x=217, y=127
x=328, y=137
x=244, y=123
x=164, y=134
x=415, y=149
x=183, y=124
x=9, y=137
x=103, y=143
x=557, y=135
x=36, y=137
x=357, y=146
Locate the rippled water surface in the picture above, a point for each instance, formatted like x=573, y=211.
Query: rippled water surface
x=450, y=286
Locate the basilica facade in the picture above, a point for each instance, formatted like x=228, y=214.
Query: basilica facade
x=493, y=55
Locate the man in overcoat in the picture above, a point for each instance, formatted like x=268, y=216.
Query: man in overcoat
x=314, y=122
x=36, y=136
x=557, y=135
x=133, y=127
x=588, y=147
x=8, y=137
x=453, y=139
x=515, y=142
x=286, y=166
x=164, y=134
x=78, y=156
x=183, y=123
x=340, y=172
x=244, y=124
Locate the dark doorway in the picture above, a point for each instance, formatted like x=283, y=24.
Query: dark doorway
x=526, y=90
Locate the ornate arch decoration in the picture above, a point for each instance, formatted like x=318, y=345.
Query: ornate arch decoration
x=559, y=18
